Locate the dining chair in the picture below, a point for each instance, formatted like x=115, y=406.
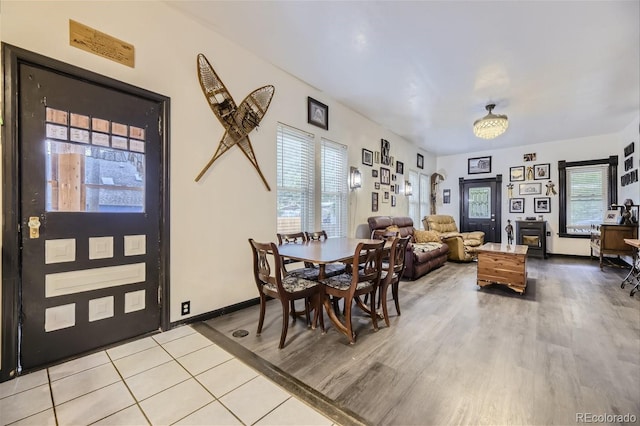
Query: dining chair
x=330, y=269
x=382, y=234
x=272, y=282
x=349, y=286
x=308, y=272
x=293, y=237
x=391, y=274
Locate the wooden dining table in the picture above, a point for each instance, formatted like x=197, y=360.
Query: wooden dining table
x=321, y=253
x=331, y=250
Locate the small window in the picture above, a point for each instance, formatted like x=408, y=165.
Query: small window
x=587, y=189
x=89, y=169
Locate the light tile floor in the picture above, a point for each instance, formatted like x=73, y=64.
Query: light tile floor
x=179, y=377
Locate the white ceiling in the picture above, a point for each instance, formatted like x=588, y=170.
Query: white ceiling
x=426, y=69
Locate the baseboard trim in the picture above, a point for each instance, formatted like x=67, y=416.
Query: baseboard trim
x=216, y=313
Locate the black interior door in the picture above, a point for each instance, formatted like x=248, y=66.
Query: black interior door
x=480, y=201
x=90, y=205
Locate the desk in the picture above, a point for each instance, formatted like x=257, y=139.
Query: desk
x=633, y=277
x=503, y=264
x=609, y=239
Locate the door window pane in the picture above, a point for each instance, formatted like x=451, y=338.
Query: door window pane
x=480, y=203
x=94, y=172
x=83, y=178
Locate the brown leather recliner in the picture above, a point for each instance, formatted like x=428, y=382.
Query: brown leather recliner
x=462, y=245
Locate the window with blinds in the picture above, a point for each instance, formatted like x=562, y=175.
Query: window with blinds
x=587, y=197
x=334, y=188
x=305, y=203
x=296, y=180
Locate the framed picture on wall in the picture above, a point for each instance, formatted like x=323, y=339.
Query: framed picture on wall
x=541, y=171
x=317, y=113
x=374, y=173
x=393, y=201
x=367, y=157
x=446, y=196
x=516, y=173
x=479, y=165
x=385, y=148
x=385, y=176
x=374, y=201
x=530, y=188
x=400, y=168
x=542, y=205
x=420, y=161
x=516, y=205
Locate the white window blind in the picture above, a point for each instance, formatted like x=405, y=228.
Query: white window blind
x=414, y=199
x=296, y=180
x=587, y=197
x=334, y=188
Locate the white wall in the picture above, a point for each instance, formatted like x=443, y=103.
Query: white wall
x=210, y=220
x=588, y=148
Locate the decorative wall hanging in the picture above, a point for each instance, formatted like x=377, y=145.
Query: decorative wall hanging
x=317, y=113
x=400, y=167
x=529, y=157
x=238, y=121
x=420, y=161
x=551, y=190
x=436, y=178
x=529, y=172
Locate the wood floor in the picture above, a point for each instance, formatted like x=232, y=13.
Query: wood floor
x=459, y=354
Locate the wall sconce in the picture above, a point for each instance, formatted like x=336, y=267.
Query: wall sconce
x=408, y=190
x=355, y=178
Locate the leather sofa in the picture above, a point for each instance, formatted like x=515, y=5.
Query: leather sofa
x=462, y=245
x=419, y=258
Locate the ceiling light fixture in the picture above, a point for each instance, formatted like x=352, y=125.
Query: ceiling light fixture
x=491, y=125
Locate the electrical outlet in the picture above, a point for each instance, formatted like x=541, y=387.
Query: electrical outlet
x=186, y=307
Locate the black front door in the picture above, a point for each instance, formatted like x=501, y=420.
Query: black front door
x=480, y=201
x=90, y=180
